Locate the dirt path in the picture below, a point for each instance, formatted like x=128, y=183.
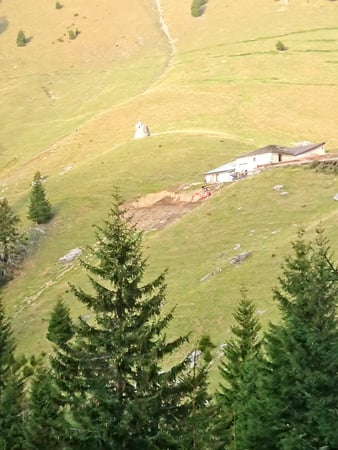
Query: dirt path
x=171, y=42
x=164, y=27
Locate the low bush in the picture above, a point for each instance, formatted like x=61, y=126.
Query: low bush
x=281, y=47
x=197, y=7
x=73, y=34
x=21, y=39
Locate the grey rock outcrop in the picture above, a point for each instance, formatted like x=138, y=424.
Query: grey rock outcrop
x=238, y=259
x=70, y=256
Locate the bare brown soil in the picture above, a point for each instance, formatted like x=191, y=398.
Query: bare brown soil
x=156, y=211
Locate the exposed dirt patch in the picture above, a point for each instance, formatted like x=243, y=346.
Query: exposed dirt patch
x=156, y=211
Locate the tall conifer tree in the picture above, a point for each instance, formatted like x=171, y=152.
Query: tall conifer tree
x=298, y=397
x=11, y=412
x=11, y=389
x=200, y=433
x=44, y=424
x=112, y=372
x=9, y=240
x=242, y=354
x=7, y=346
x=60, y=328
x=39, y=210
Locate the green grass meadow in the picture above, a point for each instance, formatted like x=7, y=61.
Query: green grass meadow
x=217, y=90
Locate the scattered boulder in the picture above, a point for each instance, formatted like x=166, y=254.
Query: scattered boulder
x=238, y=259
x=141, y=130
x=65, y=170
x=70, y=256
x=283, y=193
x=210, y=274
x=278, y=187
x=335, y=197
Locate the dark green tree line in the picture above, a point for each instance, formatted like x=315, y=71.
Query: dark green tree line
x=44, y=425
x=294, y=403
x=300, y=381
x=11, y=389
x=112, y=385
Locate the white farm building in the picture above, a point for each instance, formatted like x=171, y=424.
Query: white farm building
x=265, y=156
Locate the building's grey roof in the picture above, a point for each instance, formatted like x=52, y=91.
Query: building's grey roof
x=229, y=167
x=267, y=149
x=299, y=149
x=294, y=151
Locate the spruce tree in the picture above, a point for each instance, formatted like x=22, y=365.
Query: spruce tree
x=44, y=424
x=11, y=389
x=111, y=374
x=11, y=412
x=9, y=241
x=299, y=389
x=7, y=346
x=242, y=354
x=60, y=328
x=201, y=420
x=39, y=210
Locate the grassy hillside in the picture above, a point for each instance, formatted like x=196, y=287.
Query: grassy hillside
x=213, y=88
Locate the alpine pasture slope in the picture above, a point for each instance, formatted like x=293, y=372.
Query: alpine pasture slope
x=209, y=88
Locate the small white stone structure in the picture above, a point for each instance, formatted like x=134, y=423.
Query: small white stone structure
x=141, y=130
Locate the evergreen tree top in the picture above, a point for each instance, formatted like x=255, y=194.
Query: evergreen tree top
x=300, y=381
x=111, y=371
x=309, y=283
x=8, y=222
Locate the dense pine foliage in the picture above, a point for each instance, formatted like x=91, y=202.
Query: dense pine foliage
x=61, y=327
x=9, y=241
x=11, y=389
x=297, y=399
x=242, y=354
x=110, y=383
